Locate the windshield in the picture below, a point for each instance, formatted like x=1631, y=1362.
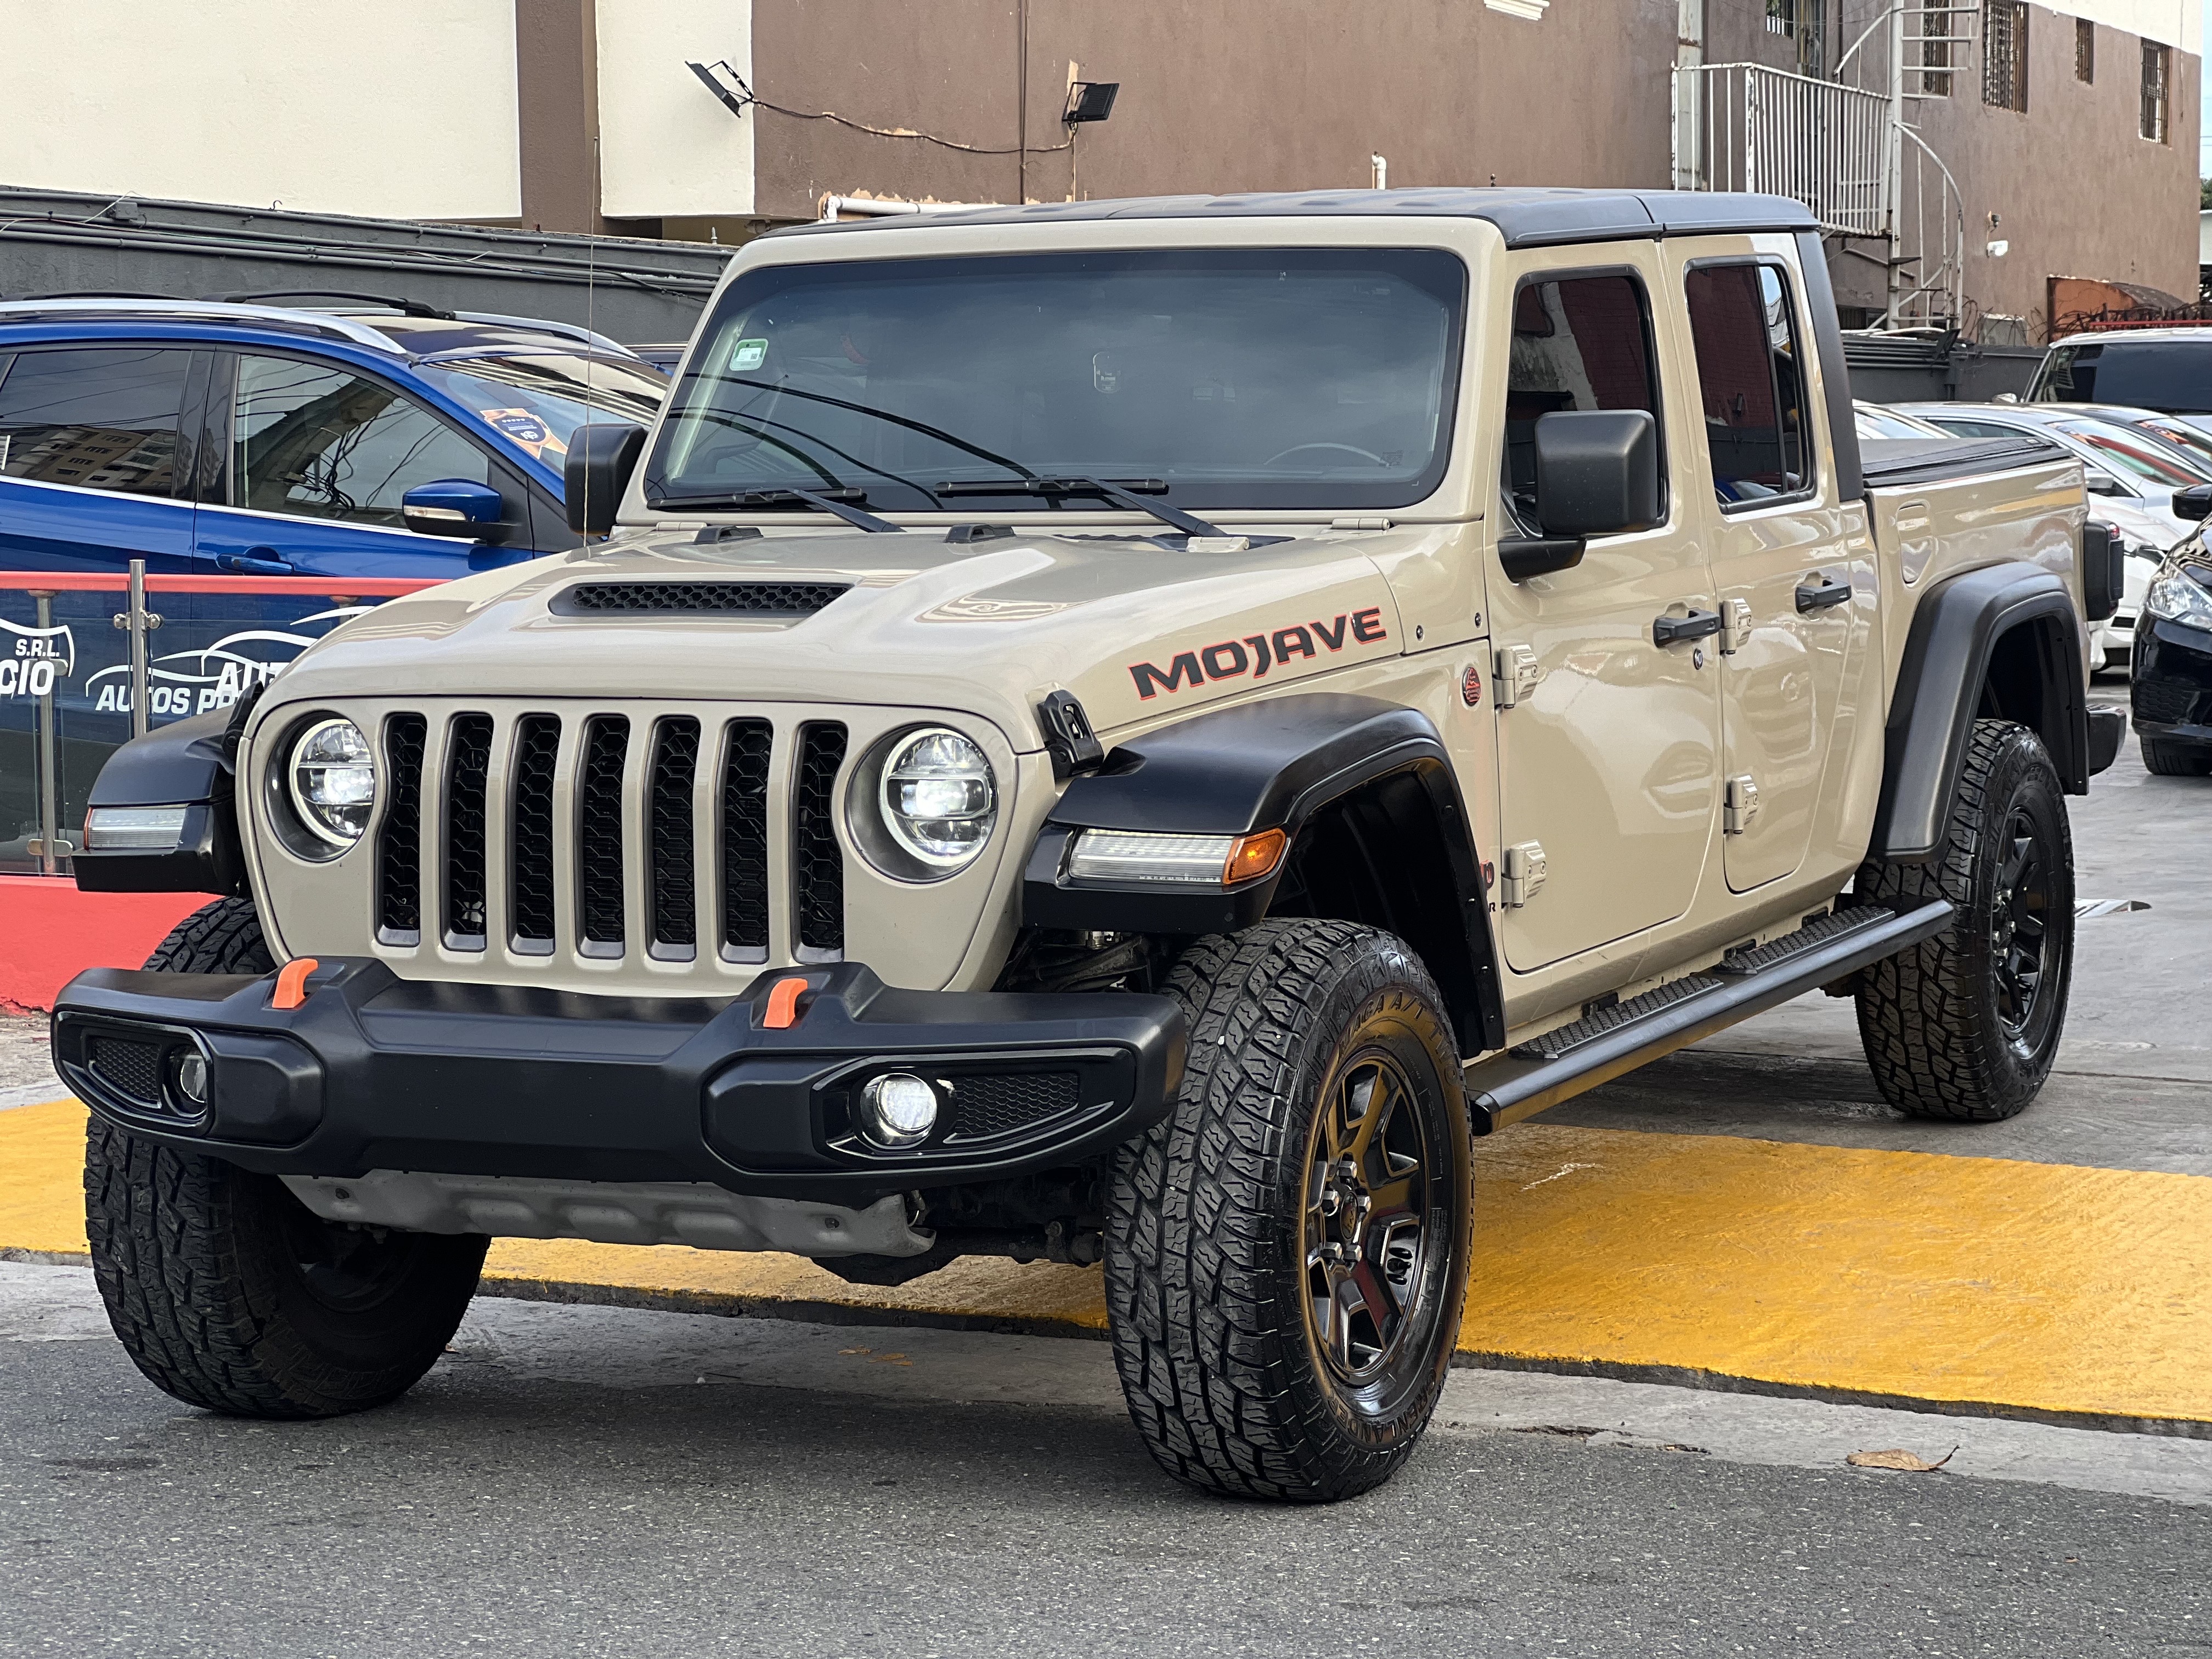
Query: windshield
x=540, y=400
x=2184, y=436
x=1283, y=378
x=2118, y=449
x=2173, y=375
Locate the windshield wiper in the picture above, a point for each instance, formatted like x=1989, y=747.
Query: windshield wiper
x=1122, y=493
x=838, y=502
x=922, y=426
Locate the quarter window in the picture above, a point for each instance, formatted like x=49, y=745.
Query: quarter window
x=99, y=419
x=1751, y=383
x=1579, y=342
x=319, y=443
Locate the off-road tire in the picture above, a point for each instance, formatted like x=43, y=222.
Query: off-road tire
x=226, y=1291
x=2176, y=760
x=1208, y=1260
x=1933, y=1019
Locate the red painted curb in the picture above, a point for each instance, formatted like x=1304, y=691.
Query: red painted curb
x=50, y=933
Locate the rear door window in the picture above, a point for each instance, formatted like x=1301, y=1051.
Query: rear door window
x=94, y=418
x=1579, y=342
x=1751, y=383
x=314, y=441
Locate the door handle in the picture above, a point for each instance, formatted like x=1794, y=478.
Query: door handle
x=1820, y=595
x=1672, y=630
x=261, y=561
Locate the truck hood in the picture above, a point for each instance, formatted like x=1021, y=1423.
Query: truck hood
x=1135, y=629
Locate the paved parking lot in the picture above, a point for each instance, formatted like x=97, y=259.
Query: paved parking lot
x=606, y=1479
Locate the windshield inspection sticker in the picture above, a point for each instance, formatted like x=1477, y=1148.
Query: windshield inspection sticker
x=747, y=356
x=525, y=429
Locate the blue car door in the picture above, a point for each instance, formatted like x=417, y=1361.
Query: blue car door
x=93, y=469
x=318, y=459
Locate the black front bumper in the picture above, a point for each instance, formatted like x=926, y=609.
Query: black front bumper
x=372, y=1072
x=2170, y=683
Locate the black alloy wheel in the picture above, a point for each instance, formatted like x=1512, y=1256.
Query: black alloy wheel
x=1365, y=1216
x=2020, y=917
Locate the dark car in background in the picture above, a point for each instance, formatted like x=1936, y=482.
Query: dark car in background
x=2169, y=696
x=2166, y=370
x=369, y=438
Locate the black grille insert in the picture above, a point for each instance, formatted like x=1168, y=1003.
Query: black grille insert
x=716, y=598
x=1000, y=1103
x=599, y=834
x=537, y=747
x=744, y=840
x=668, y=822
x=399, y=841
x=818, y=863
x=468, y=764
x=133, y=1070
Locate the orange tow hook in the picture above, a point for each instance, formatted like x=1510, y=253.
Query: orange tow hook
x=783, y=1005
x=292, y=983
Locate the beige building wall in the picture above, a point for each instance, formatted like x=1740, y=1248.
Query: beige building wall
x=406, y=109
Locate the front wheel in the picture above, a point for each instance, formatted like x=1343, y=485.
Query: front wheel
x=230, y=1294
x=1966, y=1025
x=2166, y=759
x=1286, y=1255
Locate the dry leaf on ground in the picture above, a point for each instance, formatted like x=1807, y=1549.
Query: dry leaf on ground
x=1898, y=1459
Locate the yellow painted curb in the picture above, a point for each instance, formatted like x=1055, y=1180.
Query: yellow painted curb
x=1961, y=1283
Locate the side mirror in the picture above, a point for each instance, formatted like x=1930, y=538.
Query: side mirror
x=2104, y=573
x=1597, y=471
x=2097, y=482
x=459, y=507
x=2194, y=502
x=601, y=457
x=1597, y=474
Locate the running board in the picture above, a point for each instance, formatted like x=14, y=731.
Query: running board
x=1537, y=1075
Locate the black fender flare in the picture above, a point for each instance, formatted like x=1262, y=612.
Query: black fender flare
x=1279, y=764
x=188, y=763
x=2017, y=615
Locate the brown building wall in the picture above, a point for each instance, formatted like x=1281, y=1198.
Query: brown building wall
x=1240, y=94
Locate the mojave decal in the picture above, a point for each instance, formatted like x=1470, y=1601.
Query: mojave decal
x=1255, y=653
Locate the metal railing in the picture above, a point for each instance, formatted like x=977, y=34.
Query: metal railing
x=1746, y=127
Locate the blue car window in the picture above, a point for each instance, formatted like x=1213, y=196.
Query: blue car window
x=319, y=443
x=539, y=400
x=99, y=419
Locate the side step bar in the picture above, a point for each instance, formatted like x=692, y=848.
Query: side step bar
x=1539, y=1074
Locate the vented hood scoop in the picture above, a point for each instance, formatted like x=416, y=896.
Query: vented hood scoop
x=780, y=601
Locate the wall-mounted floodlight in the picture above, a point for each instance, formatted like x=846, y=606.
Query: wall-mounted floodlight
x=736, y=100
x=1090, y=101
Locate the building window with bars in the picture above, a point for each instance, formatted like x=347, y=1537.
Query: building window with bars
x=2157, y=62
x=1781, y=16
x=1937, y=32
x=2084, y=52
x=2004, y=54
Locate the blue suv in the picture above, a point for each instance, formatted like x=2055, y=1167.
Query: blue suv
x=378, y=438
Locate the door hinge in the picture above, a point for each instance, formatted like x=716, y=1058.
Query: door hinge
x=1518, y=673
x=1522, y=876
x=1735, y=625
x=1740, y=805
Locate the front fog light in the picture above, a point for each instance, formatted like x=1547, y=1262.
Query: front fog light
x=193, y=1079
x=333, y=780
x=897, y=1111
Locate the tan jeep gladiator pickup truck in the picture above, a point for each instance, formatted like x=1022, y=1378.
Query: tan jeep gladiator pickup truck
x=1120, y=732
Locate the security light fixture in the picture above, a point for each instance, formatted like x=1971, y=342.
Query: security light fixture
x=735, y=101
x=1089, y=100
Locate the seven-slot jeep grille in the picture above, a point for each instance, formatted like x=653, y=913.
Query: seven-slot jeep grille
x=612, y=833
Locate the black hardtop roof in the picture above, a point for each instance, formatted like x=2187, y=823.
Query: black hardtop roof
x=1525, y=217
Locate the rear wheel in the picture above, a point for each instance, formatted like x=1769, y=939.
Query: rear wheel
x=1287, y=1253
x=226, y=1291
x=1966, y=1025
x=2169, y=759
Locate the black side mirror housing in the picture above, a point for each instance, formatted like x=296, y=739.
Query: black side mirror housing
x=2104, y=571
x=1597, y=474
x=1597, y=471
x=601, y=457
x=2194, y=502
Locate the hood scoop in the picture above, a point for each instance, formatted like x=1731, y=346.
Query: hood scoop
x=781, y=600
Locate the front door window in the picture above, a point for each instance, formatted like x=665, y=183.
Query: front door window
x=313, y=441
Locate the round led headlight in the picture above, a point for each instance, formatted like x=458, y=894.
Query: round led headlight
x=937, y=799
x=332, y=777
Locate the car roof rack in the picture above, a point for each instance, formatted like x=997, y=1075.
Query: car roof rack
x=383, y=302
x=311, y=322
x=546, y=326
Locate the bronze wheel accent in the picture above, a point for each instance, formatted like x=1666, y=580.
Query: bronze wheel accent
x=1365, y=1207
